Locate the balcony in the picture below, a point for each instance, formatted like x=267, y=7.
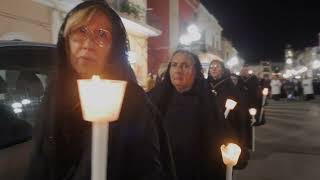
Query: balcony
x=134, y=18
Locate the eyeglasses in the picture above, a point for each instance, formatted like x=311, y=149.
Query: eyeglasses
x=212, y=66
x=101, y=36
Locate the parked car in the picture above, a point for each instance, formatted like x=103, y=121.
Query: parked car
x=24, y=70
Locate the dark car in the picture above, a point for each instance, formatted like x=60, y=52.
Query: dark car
x=24, y=70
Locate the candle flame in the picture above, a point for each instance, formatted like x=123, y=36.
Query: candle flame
x=230, y=104
x=230, y=154
x=101, y=100
x=253, y=111
x=265, y=91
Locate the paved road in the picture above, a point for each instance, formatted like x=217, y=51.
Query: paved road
x=288, y=146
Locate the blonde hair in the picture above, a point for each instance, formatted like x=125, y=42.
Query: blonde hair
x=74, y=21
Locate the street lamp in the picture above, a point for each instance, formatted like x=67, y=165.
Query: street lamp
x=233, y=61
x=193, y=34
x=192, y=28
x=185, y=39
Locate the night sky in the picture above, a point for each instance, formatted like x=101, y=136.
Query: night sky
x=260, y=29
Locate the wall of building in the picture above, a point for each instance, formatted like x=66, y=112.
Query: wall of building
x=211, y=31
x=187, y=12
x=158, y=47
x=18, y=21
x=228, y=51
x=175, y=15
x=139, y=46
x=38, y=21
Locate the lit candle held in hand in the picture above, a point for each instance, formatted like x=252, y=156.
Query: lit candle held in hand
x=265, y=92
x=101, y=102
x=230, y=105
x=230, y=156
x=253, y=112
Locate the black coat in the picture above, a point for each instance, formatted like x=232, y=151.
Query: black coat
x=238, y=120
x=195, y=130
x=62, y=147
x=245, y=96
x=251, y=86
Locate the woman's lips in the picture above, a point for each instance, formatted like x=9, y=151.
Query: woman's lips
x=87, y=60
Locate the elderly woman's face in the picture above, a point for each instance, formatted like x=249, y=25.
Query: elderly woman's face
x=90, y=45
x=216, y=69
x=182, y=72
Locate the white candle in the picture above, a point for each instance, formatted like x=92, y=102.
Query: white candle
x=265, y=92
x=230, y=105
x=253, y=112
x=101, y=102
x=230, y=156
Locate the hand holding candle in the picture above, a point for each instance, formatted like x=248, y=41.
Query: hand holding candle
x=101, y=101
x=230, y=105
x=230, y=156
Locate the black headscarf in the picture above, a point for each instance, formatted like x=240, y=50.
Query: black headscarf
x=118, y=67
x=165, y=88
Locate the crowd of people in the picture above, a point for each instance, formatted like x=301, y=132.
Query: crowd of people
x=289, y=89
x=172, y=132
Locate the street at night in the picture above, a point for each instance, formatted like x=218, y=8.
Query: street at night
x=159, y=90
x=288, y=145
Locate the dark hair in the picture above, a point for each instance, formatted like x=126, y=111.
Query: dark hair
x=118, y=67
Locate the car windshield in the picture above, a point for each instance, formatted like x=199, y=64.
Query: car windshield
x=20, y=98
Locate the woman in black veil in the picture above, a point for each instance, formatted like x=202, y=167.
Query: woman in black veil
x=93, y=40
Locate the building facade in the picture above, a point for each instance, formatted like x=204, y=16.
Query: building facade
x=173, y=16
x=40, y=21
x=18, y=21
x=302, y=63
x=176, y=17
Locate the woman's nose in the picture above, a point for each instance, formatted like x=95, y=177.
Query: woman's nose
x=89, y=43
